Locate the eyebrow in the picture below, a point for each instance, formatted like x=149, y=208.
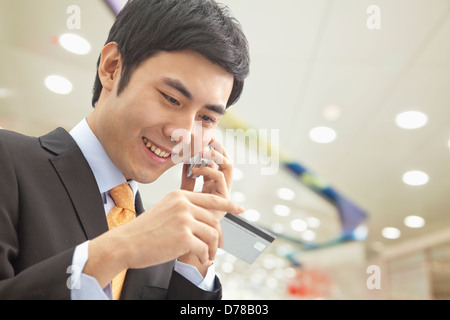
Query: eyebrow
x=220, y=109
x=180, y=87
x=177, y=85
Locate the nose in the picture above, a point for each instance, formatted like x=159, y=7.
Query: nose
x=186, y=134
x=180, y=128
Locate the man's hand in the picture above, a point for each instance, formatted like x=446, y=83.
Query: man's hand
x=217, y=178
x=183, y=223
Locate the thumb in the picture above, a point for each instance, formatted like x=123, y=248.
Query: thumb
x=187, y=183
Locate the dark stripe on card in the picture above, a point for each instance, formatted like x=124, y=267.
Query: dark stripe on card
x=266, y=235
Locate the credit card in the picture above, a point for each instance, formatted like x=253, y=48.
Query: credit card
x=243, y=239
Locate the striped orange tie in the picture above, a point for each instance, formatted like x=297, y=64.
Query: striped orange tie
x=122, y=213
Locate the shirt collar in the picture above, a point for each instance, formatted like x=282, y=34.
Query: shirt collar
x=105, y=171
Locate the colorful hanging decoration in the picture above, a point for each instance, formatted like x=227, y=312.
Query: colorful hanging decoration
x=352, y=218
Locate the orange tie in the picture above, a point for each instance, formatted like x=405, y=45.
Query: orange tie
x=122, y=213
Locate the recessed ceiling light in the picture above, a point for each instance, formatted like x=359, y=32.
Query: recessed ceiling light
x=313, y=222
x=252, y=215
x=448, y=143
x=286, y=194
x=411, y=119
x=391, y=233
x=361, y=232
x=227, y=267
x=282, y=210
x=238, y=196
x=331, y=112
x=308, y=235
x=74, y=43
x=415, y=178
x=414, y=222
x=58, y=84
x=298, y=225
x=5, y=93
x=322, y=135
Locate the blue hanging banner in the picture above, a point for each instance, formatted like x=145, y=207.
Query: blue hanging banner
x=351, y=216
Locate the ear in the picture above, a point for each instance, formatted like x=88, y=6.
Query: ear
x=110, y=66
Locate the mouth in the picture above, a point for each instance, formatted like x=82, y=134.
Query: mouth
x=160, y=152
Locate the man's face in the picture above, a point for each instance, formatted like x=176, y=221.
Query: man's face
x=167, y=92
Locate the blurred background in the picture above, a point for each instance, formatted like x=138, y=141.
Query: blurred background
x=350, y=100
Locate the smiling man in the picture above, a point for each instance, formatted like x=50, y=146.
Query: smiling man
x=72, y=224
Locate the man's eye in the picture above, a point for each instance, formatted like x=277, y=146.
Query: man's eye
x=171, y=100
x=208, y=119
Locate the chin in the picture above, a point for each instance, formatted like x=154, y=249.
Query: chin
x=146, y=178
x=145, y=173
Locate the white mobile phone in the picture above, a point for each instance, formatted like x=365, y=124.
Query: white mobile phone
x=197, y=162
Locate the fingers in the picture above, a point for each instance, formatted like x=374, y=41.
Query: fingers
x=200, y=232
x=218, y=154
x=211, y=237
x=200, y=215
x=199, y=249
x=212, y=221
x=218, y=146
x=213, y=202
x=214, y=181
x=206, y=211
x=220, y=158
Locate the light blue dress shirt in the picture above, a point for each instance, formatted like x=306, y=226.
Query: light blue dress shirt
x=108, y=176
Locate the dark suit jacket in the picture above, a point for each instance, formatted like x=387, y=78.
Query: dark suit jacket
x=49, y=204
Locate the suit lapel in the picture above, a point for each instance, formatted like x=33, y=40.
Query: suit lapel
x=78, y=179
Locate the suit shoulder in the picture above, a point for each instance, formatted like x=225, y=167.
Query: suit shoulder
x=20, y=148
x=12, y=139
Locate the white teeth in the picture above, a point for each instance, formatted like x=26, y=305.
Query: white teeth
x=155, y=149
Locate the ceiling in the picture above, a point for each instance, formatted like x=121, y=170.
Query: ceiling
x=305, y=55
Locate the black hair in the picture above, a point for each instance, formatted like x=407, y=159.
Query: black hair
x=146, y=27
